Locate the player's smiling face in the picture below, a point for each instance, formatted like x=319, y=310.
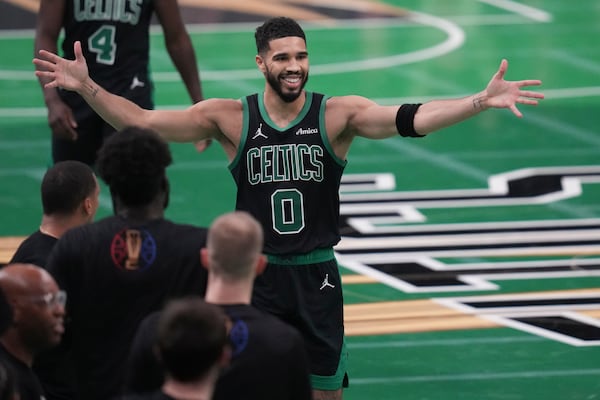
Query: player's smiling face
x=285, y=66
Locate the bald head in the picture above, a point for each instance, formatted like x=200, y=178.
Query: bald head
x=24, y=280
x=234, y=245
x=38, y=309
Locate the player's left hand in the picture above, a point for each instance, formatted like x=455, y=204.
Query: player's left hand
x=507, y=94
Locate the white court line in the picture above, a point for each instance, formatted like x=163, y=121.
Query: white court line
x=444, y=342
x=527, y=11
x=455, y=39
x=477, y=376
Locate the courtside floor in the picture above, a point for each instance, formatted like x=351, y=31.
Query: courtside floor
x=471, y=258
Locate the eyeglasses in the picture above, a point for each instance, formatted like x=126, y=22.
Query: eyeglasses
x=51, y=299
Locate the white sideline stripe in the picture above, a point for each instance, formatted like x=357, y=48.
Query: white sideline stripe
x=551, y=94
x=455, y=39
x=527, y=11
x=477, y=376
x=444, y=342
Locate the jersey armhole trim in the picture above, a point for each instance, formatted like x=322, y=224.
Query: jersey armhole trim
x=243, y=134
x=325, y=137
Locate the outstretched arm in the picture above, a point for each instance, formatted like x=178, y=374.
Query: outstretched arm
x=73, y=75
x=499, y=93
x=370, y=120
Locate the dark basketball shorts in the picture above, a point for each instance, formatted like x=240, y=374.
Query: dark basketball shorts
x=91, y=128
x=306, y=292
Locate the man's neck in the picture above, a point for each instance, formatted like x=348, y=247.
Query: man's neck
x=281, y=112
x=220, y=292
x=198, y=390
x=14, y=346
x=55, y=226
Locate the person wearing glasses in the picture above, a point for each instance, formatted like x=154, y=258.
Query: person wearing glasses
x=70, y=197
x=37, y=323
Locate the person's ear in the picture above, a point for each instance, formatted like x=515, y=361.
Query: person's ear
x=88, y=206
x=261, y=264
x=260, y=63
x=204, y=257
x=225, y=358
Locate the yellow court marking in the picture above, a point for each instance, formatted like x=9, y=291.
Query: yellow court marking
x=426, y=315
x=8, y=246
x=407, y=316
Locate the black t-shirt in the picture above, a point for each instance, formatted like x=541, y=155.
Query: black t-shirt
x=268, y=359
x=28, y=385
x=115, y=274
x=156, y=395
x=34, y=249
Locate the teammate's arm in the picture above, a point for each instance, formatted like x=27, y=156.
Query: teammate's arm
x=48, y=26
x=179, y=46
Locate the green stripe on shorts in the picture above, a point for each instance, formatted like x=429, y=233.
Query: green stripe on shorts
x=315, y=256
x=332, y=382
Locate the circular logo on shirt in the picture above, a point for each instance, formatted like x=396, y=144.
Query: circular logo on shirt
x=133, y=249
x=238, y=337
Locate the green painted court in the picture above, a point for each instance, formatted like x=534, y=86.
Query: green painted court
x=471, y=258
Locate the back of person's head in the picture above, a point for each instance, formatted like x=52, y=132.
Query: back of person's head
x=192, y=338
x=133, y=164
x=66, y=185
x=276, y=28
x=234, y=245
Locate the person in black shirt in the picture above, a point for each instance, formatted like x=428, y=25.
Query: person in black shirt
x=287, y=149
x=121, y=268
x=37, y=323
x=192, y=346
x=69, y=194
x=268, y=361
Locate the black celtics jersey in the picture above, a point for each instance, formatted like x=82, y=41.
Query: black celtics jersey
x=288, y=178
x=114, y=38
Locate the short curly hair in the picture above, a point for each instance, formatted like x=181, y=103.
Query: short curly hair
x=276, y=28
x=133, y=164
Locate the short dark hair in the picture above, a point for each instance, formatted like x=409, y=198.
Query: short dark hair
x=276, y=28
x=65, y=185
x=192, y=336
x=133, y=164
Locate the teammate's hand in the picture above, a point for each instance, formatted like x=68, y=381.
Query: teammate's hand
x=61, y=120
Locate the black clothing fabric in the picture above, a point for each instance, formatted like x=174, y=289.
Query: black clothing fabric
x=115, y=274
x=288, y=178
x=53, y=367
x=115, y=41
x=34, y=249
x=28, y=385
x=268, y=359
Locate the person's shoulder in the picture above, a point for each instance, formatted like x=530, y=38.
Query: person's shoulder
x=187, y=227
x=268, y=325
x=219, y=104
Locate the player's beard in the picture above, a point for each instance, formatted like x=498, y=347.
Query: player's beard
x=276, y=85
